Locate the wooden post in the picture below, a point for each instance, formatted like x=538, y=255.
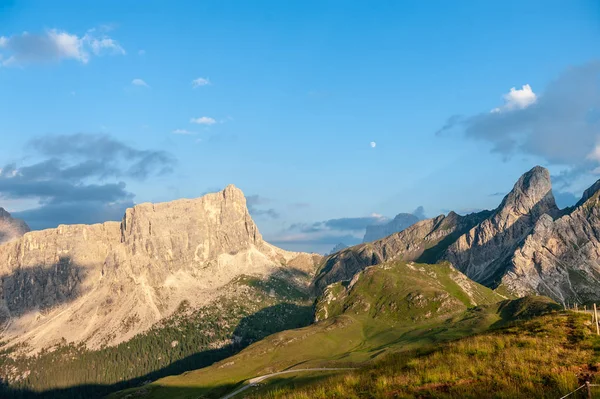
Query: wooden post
x=589, y=390
x=596, y=316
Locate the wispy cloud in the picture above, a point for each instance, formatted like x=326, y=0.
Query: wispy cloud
x=56, y=45
x=203, y=120
x=182, y=132
x=71, y=181
x=199, y=82
x=139, y=82
x=357, y=224
x=255, y=201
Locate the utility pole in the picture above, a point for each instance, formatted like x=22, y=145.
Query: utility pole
x=596, y=316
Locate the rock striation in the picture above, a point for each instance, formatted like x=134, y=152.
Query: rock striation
x=483, y=253
x=399, y=223
x=561, y=258
x=105, y=283
x=11, y=228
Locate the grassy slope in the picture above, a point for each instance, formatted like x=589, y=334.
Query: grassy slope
x=545, y=357
x=391, y=308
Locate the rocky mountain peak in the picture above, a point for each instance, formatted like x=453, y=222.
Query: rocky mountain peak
x=11, y=228
x=232, y=193
x=589, y=193
x=531, y=194
x=215, y=223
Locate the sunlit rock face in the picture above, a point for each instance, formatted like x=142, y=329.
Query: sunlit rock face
x=484, y=252
x=11, y=228
x=561, y=258
x=105, y=283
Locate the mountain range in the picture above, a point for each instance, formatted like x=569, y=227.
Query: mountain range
x=180, y=285
x=527, y=245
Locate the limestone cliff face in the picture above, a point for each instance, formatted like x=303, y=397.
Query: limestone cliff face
x=483, y=253
x=561, y=258
x=103, y=284
x=423, y=242
x=11, y=228
x=399, y=223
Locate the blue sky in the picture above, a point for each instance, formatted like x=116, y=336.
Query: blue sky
x=291, y=95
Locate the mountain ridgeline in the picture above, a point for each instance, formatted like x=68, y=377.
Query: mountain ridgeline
x=181, y=285
x=189, y=271
x=525, y=246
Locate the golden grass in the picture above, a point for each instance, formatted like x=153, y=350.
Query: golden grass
x=542, y=358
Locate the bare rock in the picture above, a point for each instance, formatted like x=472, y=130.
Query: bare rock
x=81, y=282
x=484, y=252
x=11, y=228
x=561, y=258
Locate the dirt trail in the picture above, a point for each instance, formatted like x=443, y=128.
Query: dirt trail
x=255, y=381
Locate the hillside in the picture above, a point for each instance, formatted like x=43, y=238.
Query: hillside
x=545, y=357
x=388, y=308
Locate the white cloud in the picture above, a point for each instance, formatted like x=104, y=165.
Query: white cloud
x=200, y=82
x=204, y=120
x=104, y=44
x=139, y=82
x=373, y=144
x=561, y=128
x=55, y=45
x=595, y=154
x=182, y=131
x=517, y=99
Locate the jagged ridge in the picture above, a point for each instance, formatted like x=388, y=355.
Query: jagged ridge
x=526, y=245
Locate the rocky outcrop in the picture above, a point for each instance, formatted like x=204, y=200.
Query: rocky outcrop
x=561, y=258
x=399, y=223
x=11, y=228
x=483, y=253
x=103, y=284
x=424, y=241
